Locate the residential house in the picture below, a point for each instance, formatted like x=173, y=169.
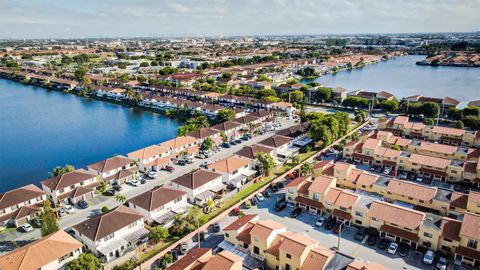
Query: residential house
x=153, y=157
x=235, y=170
x=71, y=187
x=200, y=185
x=468, y=252
x=160, y=204
x=51, y=252
x=252, y=151
x=231, y=129
x=117, y=169
x=18, y=206
x=111, y=234
x=203, y=259
x=282, y=146
x=182, y=144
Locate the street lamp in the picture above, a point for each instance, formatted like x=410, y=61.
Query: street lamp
x=340, y=234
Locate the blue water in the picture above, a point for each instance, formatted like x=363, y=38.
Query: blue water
x=402, y=77
x=40, y=129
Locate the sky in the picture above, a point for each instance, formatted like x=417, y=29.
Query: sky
x=157, y=18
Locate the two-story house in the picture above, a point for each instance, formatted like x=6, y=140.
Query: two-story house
x=153, y=157
x=52, y=252
x=160, y=204
x=111, y=234
x=71, y=187
x=469, y=250
x=18, y=206
x=117, y=169
x=200, y=185
x=236, y=170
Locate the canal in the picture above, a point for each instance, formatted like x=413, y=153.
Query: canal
x=402, y=77
x=40, y=129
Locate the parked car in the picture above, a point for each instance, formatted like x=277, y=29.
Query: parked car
x=387, y=170
x=412, y=176
x=338, y=228
x=27, y=227
x=70, y=231
x=274, y=187
x=117, y=187
x=392, y=248
x=378, y=170
x=330, y=223
x=247, y=205
x=236, y=211
x=403, y=250
x=233, y=143
x=361, y=233
x=152, y=174
x=371, y=240
x=216, y=227
x=110, y=192
x=403, y=175
x=372, y=168
x=238, y=141
x=83, y=204
x=96, y=212
x=37, y=222
x=296, y=212
x=134, y=182
x=182, y=162
x=169, y=168
x=441, y=263
x=69, y=209
x=200, y=156
x=383, y=243
x=183, y=248
x=245, y=138
x=280, y=206
x=428, y=257
x=226, y=145
x=419, y=179
x=266, y=194
x=320, y=221
x=260, y=197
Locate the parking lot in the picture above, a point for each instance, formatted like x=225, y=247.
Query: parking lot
x=305, y=223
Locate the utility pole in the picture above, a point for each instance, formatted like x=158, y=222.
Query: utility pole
x=198, y=232
x=340, y=234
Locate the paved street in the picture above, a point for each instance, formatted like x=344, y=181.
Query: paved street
x=20, y=238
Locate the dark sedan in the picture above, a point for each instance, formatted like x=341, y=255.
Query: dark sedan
x=296, y=212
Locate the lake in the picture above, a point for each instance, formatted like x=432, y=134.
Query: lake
x=402, y=77
x=40, y=129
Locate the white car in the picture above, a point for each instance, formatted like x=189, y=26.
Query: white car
x=27, y=227
x=387, y=170
x=69, y=209
x=442, y=263
x=320, y=221
x=392, y=248
x=62, y=212
x=134, y=183
x=428, y=257
x=152, y=174
x=260, y=197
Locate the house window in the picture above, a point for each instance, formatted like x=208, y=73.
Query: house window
x=227, y=235
x=288, y=256
x=472, y=243
x=374, y=219
x=256, y=250
x=343, y=208
x=316, y=196
x=358, y=213
x=429, y=235
x=287, y=267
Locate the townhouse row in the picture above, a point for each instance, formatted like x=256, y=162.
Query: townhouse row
x=268, y=243
x=429, y=160
x=401, y=125
x=398, y=210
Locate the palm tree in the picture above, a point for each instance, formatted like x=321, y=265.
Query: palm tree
x=209, y=204
x=306, y=169
x=59, y=170
x=265, y=163
x=120, y=198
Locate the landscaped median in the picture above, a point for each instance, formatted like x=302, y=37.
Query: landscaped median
x=237, y=200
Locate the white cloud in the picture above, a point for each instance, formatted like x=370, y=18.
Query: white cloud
x=70, y=18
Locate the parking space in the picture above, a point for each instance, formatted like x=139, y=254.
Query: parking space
x=305, y=223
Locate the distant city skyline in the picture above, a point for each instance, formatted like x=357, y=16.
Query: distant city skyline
x=150, y=18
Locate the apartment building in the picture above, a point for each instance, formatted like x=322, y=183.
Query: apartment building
x=204, y=259
x=277, y=248
x=401, y=125
x=468, y=251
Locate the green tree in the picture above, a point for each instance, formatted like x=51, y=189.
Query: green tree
x=144, y=64
x=320, y=132
x=58, y=171
x=396, y=147
x=390, y=106
x=455, y=114
x=343, y=122
x=103, y=186
x=159, y=233
x=224, y=137
x=105, y=209
x=265, y=163
x=120, y=198
x=306, y=169
x=263, y=78
x=430, y=109
x=471, y=110
x=86, y=261
x=429, y=121
x=48, y=220
x=323, y=93
x=459, y=124
x=225, y=115
x=80, y=73
x=207, y=144
x=356, y=102
x=472, y=121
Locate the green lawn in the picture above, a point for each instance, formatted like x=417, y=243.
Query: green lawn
x=6, y=230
